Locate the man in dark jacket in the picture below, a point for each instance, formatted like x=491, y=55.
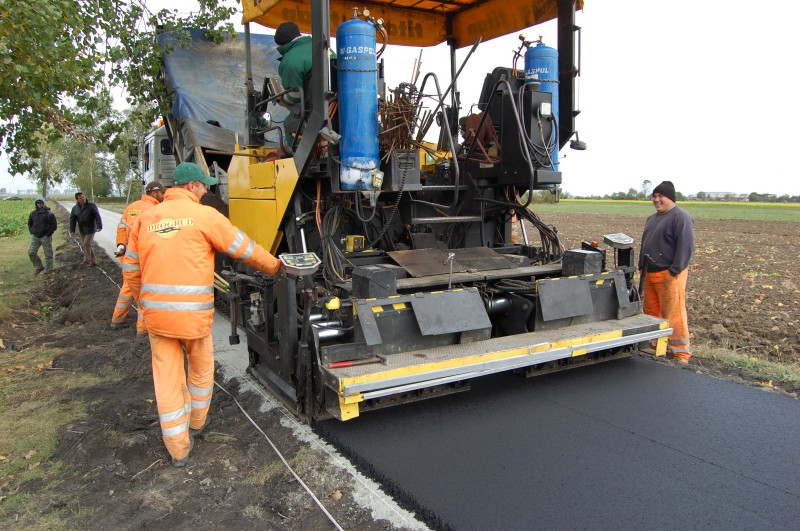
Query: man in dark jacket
x=41, y=224
x=86, y=218
x=667, y=248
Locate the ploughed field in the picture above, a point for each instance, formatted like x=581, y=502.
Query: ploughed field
x=743, y=290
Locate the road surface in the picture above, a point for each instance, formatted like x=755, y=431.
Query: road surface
x=631, y=443
x=106, y=239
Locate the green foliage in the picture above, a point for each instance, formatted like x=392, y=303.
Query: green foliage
x=14, y=217
x=540, y=196
x=59, y=60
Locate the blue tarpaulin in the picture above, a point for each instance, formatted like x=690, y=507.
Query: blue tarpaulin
x=206, y=86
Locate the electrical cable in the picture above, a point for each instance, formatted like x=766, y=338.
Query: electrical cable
x=389, y=221
x=283, y=459
x=516, y=285
x=309, y=436
x=553, y=250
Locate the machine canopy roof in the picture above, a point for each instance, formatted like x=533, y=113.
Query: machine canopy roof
x=417, y=22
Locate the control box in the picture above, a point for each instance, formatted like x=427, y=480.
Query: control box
x=300, y=264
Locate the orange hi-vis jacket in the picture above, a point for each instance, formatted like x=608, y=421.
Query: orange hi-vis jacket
x=129, y=216
x=169, y=263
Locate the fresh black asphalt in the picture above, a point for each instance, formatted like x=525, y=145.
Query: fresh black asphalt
x=629, y=444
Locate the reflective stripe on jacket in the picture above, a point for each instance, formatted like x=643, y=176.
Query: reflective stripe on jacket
x=169, y=263
x=128, y=217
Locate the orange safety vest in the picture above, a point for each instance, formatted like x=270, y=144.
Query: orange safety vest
x=169, y=263
x=128, y=217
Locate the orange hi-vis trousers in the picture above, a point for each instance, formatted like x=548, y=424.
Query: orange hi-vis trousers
x=665, y=297
x=123, y=308
x=182, y=406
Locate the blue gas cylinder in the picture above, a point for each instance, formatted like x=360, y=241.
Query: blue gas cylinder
x=541, y=65
x=357, y=69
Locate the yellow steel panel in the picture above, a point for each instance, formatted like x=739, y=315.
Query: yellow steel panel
x=260, y=192
x=661, y=346
x=286, y=178
x=348, y=411
x=352, y=399
x=238, y=177
x=262, y=175
x=257, y=218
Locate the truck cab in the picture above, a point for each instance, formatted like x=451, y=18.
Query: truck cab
x=158, y=158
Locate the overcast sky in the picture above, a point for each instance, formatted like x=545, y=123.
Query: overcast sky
x=692, y=91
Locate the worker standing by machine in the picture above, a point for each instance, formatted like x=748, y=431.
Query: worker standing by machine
x=153, y=195
x=294, y=69
x=169, y=265
x=667, y=248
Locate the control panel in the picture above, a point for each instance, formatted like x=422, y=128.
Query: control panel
x=300, y=264
x=618, y=240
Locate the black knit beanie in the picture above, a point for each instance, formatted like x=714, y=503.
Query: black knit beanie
x=286, y=32
x=667, y=189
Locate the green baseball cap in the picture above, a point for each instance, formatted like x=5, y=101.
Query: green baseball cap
x=187, y=172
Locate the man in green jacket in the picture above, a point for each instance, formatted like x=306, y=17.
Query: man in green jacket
x=295, y=72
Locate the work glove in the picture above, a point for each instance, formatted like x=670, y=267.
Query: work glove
x=120, y=250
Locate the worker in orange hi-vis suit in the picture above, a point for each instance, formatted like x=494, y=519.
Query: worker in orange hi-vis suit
x=153, y=195
x=667, y=248
x=169, y=265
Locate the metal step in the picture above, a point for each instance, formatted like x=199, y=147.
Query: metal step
x=449, y=219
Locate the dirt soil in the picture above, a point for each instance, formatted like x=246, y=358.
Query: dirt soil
x=743, y=291
x=114, y=463
x=743, y=294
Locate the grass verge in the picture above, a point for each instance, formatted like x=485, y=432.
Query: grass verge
x=763, y=372
x=16, y=274
x=36, y=404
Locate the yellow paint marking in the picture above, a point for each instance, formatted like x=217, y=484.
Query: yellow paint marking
x=399, y=306
x=377, y=309
x=579, y=352
x=475, y=359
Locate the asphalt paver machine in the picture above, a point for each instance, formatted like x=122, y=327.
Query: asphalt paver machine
x=404, y=277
